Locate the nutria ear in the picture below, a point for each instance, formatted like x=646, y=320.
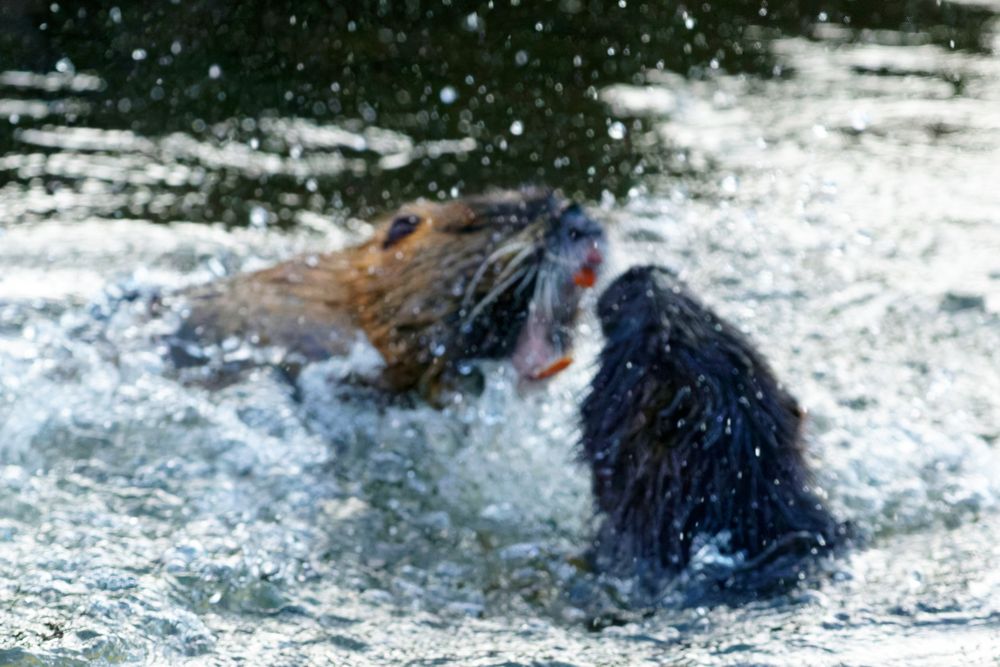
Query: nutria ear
x=401, y=227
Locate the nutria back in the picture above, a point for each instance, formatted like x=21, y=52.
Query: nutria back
x=690, y=437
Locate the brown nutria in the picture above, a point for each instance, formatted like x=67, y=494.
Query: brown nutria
x=689, y=436
x=439, y=283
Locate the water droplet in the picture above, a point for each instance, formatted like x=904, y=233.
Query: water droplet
x=517, y=128
x=214, y=72
x=616, y=130
x=258, y=217
x=448, y=95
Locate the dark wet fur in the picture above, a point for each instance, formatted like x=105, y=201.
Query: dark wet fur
x=689, y=434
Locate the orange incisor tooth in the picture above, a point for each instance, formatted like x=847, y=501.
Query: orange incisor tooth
x=556, y=366
x=585, y=277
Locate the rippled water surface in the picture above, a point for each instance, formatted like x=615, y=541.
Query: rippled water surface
x=835, y=195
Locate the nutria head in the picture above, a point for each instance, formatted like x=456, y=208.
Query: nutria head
x=687, y=433
x=485, y=277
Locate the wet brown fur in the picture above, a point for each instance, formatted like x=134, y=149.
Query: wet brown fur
x=407, y=294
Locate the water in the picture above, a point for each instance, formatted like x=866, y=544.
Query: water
x=843, y=213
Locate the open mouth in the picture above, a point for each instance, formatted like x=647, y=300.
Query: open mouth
x=585, y=277
x=543, y=348
x=539, y=353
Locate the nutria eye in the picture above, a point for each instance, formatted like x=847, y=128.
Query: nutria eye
x=577, y=225
x=401, y=227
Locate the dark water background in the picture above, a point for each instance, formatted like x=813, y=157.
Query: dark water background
x=436, y=72
x=824, y=173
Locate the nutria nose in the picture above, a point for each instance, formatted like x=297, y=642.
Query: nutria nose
x=594, y=257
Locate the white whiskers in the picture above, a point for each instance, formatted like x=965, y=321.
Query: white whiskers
x=519, y=246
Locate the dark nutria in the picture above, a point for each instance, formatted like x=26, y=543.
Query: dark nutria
x=484, y=277
x=690, y=437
